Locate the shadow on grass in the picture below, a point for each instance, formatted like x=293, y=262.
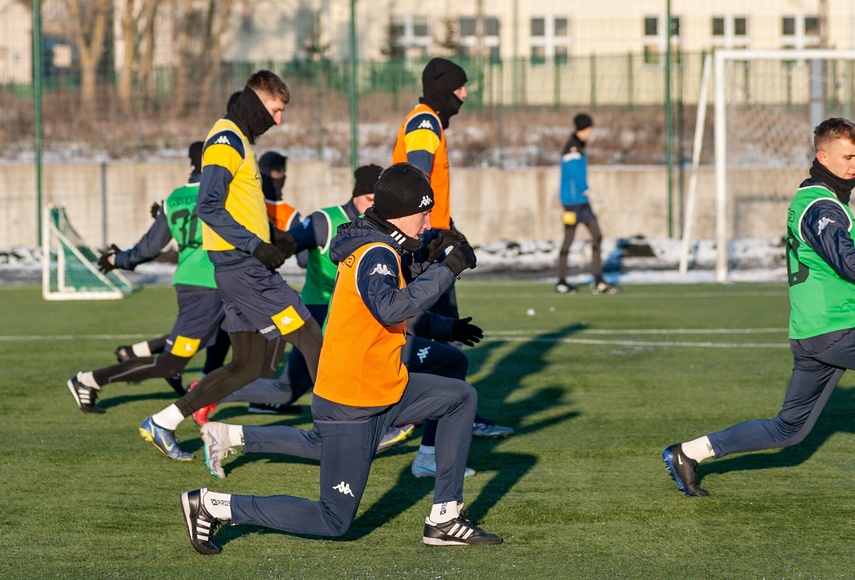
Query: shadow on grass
x=836, y=417
x=166, y=395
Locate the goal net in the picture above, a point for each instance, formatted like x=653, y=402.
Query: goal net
x=70, y=265
x=767, y=104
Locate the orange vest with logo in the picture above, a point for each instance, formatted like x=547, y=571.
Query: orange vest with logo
x=360, y=364
x=281, y=214
x=424, y=139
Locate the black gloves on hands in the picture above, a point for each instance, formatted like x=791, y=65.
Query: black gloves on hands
x=269, y=255
x=437, y=246
x=107, y=261
x=155, y=208
x=462, y=257
x=466, y=333
x=284, y=241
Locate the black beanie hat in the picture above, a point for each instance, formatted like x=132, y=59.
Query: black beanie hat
x=366, y=176
x=441, y=76
x=402, y=190
x=272, y=161
x=583, y=121
x=195, y=155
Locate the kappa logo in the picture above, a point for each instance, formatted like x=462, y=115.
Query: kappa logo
x=188, y=348
x=426, y=124
x=222, y=140
x=285, y=321
x=343, y=488
x=381, y=269
x=823, y=223
x=426, y=201
x=422, y=353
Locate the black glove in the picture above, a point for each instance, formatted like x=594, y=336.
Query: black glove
x=107, y=261
x=437, y=246
x=269, y=255
x=460, y=258
x=155, y=208
x=466, y=333
x=285, y=242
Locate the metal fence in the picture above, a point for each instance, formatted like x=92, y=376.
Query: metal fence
x=518, y=114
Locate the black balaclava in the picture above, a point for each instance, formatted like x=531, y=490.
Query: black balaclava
x=250, y=115
x=842, y=188
x=267, y=164
x=195, y=155
x=401, y=190
x=440, y=79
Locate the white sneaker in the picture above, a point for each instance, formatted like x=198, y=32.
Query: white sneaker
x=424, y=465
x=217, y=446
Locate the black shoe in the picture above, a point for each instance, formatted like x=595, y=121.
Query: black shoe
x=200, y=524
x=275, y=409
x=457, y=532
x=684, y=470
x=84, y=396
x=175, y=383
x=124, y=353
x=603, y=287
x=565, y=288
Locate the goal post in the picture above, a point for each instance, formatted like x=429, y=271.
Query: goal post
x=766, y=105
x=70, y=266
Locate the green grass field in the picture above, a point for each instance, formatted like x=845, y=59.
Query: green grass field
x=595, y=386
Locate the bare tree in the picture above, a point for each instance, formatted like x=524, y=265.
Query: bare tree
x=199, y=36
x=137, y=26
x=89, y=22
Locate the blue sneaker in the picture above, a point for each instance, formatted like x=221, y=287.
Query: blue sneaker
x=164, y=440
x=684, y=470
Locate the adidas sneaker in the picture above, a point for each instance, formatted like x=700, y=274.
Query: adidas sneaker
x=457, y=532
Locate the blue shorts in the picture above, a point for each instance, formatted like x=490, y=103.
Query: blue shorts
x=582, y=214
x=200, y=314
x=256, y=299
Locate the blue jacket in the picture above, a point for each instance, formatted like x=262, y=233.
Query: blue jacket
x=574, y=173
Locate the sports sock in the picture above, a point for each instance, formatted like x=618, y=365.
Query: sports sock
x=698, y=449
x=443, y=512
x=88, y=379
x=218, y=505
x=431, y=450
x=141, y=349
x=169, y=418
x=235, y=434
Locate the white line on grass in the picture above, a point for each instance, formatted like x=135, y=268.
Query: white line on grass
x=77, y=337
x=651, y=331
x=782, y=344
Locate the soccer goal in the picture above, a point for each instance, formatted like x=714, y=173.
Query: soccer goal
x=70, y=265
x=766, y=105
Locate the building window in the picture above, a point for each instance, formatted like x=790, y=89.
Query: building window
x=410, y=36
x=655, y=39
x=730, y=32
x=468, y=26
x=549, y=39
x=800, y=32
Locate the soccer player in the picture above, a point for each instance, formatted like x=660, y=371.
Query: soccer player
x=573, y=193
x=421, y=141
x=821, y=275
x=262, y=311
x=362, y=386
x=200, y=309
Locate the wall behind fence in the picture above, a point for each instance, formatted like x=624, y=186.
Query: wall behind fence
x=487, y=205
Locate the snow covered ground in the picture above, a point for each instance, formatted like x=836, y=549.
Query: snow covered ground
x=626, y=262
